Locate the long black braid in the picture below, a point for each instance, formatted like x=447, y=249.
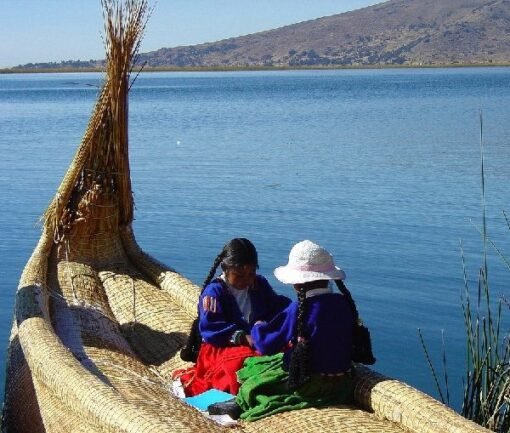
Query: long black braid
x=299, y=365
x=341, y=286
x=212, y=271
x=236, y=252
x=361, y=342
x=190, y=351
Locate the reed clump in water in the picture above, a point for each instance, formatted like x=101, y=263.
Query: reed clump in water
x=486, y=394
x=487, y=382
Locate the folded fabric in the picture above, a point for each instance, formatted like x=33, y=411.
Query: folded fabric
x=204, y=400
x=264, y=389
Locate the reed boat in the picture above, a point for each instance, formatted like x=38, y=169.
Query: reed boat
x=99, y=323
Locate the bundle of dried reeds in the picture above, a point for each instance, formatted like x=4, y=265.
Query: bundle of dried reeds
x=99, y=175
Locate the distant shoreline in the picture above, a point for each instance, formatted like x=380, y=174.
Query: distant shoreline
x=22, y=70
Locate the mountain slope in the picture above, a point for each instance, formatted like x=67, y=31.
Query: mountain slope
x=394, y=32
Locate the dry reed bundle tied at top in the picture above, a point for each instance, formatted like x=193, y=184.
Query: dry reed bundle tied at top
x=99, y=323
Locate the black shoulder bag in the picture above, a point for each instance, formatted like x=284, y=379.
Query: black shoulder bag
x=190, y=351
x=361, y=343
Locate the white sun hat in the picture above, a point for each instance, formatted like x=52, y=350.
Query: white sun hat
x=308, y=262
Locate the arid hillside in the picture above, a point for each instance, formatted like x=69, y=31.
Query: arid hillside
x=394, y=32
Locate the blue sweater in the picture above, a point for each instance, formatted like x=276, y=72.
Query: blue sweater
x=220, y=316
x=329, y=325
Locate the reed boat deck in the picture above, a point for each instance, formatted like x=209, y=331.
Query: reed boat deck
x=99, y=339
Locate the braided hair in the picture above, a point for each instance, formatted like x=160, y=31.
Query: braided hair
x=212, y=271
x=236, y=252
x=341, y=286
x=299, y=364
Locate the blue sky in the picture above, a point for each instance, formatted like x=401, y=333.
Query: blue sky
x=54, y=30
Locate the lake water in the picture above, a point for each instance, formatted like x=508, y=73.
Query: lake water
x=382, y=167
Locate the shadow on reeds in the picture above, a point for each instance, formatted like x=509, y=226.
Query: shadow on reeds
x=17, y=372
x=153, y=347
x=486, y=396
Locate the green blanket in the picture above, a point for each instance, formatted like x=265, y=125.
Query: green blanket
x=264, y=389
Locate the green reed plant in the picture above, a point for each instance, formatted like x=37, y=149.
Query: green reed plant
x=487, y=382
x=486, y=397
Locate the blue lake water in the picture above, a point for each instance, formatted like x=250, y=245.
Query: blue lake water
x=382, y=167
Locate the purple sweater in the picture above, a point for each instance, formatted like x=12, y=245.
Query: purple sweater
x=329, y=325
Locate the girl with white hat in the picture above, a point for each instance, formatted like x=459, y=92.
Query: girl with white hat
x=315, y=335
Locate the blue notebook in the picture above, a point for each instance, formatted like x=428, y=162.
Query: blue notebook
x=202, y=401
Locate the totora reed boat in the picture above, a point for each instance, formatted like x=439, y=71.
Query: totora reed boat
x=98, y=323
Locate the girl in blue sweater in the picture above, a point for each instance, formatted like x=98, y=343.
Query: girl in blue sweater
x=228, y=307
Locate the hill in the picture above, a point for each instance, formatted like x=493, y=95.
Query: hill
x=396, y=32
x=422, y=32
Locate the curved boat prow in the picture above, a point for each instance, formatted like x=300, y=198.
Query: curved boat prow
x=98, y=323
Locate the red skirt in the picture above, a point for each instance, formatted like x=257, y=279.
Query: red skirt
x=216, y=367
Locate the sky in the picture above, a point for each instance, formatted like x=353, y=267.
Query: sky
x=38, y=31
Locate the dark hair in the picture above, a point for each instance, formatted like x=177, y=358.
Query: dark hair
x=236, y=252
x=299, y=364
x=341, y=286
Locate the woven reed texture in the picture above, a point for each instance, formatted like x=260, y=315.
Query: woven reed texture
x=330, y=420
x=99, y=323
x=410, y=408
